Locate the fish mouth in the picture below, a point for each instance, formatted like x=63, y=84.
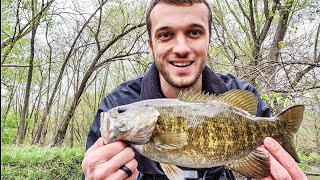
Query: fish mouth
x=181, y=63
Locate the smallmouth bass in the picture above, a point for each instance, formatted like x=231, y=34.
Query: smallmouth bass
x=199, y=130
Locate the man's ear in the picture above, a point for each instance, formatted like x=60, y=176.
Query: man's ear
x=150, y=49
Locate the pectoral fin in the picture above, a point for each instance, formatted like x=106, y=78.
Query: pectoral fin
x=172, y=171
x=170, y=140
x=255, y=165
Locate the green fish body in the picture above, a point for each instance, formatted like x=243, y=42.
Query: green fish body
x=202, y=131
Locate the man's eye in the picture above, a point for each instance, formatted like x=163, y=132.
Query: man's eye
x=195, y=33
x=164, y=36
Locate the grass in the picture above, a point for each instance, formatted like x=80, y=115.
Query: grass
x=33, y=162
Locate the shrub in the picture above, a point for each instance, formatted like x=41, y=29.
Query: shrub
x=33, y=162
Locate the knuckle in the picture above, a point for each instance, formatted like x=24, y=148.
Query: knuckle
x=97, y=175
x=284, y=177
x=84, y=164
x=130, y=153
x=135, y=163
x=90, y=163
x=121, y=144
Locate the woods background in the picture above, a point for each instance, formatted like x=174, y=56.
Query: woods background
x=60, y=58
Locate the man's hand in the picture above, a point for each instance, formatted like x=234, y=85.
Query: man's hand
x=283, y=166
x=103, y=161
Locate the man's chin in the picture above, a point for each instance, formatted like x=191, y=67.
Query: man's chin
x=183, y=84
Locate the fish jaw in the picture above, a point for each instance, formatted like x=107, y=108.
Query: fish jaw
x=114, y=136
x=109, y=131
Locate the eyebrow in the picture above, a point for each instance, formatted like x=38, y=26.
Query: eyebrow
x=193, y=25
x=197, y=25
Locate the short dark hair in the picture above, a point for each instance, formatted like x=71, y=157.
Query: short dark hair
x=153, y=3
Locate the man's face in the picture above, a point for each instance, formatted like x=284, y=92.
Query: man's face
x=180, y=42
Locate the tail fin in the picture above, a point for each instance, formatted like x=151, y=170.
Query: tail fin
x=292, y=118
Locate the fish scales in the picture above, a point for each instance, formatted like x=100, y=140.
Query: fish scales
x=202, y=131
x=221, y=134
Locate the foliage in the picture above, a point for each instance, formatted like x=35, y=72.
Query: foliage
x=309, y=162
x=33, y=162
x=8, y=128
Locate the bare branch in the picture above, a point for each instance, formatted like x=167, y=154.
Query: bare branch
x=26, y=28
x=294, y=90
x=243, y=27
x=316, y=59
x=269, y=18
x=17, y=65
x=252, y=23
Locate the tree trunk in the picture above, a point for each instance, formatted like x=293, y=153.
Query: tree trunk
x=71, y=133
x=24, y=112
x=282, y=27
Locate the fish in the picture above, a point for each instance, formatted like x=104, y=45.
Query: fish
x=202, y=130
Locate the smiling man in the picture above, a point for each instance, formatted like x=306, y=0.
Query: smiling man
x=179, y=36
x=179, y=42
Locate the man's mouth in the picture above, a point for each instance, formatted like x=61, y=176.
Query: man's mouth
x=180, y=64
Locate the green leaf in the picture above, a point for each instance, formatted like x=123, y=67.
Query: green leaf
x=282, y=44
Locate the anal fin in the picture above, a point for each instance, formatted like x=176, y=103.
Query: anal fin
x=172, y=171
x=255, y=165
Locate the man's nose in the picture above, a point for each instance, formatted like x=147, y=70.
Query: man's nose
x=181, y=47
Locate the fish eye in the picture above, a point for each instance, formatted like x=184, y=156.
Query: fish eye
x=121, y=110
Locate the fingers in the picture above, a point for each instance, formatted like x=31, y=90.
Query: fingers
x=120, y=159
x=110, y=167
x=97, y=144
x=279, y=157
x=103, y=153
x=102, y=161
x=134, y=175
x=268, y=178
x=277, y=171
x=85, y=162
x=120, y=174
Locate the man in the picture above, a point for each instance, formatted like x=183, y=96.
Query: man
x=179, y=35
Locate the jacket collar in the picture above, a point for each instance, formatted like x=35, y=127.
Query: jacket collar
x=150, y=87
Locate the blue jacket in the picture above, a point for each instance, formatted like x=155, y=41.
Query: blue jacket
x=147, y=86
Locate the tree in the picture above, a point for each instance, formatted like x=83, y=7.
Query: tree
x=59, y=137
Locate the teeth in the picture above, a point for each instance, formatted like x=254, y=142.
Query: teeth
x=182, y=64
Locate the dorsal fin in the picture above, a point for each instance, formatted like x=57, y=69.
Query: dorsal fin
x=197, y=97
x=242, y=99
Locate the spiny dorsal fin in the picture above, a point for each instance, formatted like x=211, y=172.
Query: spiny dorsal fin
x=242, y=99
x=172, y=171
x=197, y=97
x=255, y=165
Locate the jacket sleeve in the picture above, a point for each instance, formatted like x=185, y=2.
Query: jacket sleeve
x=234, y=83
x=94, y=133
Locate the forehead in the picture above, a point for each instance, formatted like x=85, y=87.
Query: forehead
x=171, y=15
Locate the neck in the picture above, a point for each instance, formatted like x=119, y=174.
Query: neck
x=172, y=92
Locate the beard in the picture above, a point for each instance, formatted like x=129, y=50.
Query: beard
x=178, y=82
